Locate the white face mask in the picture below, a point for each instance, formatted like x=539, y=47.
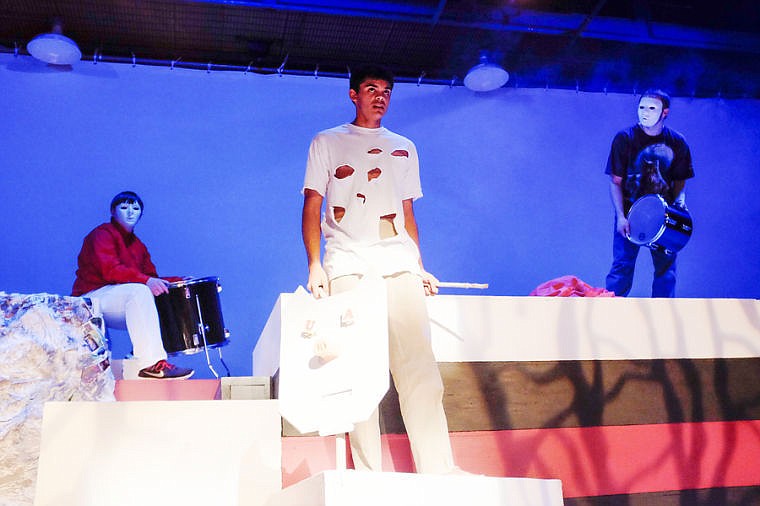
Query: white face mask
x=650, y=111
x=127, y=215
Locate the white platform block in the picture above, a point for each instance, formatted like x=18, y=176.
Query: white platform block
x=125, y=369
x=193, y=453
x=246, y=387
x=469, y=328
x=349, y=488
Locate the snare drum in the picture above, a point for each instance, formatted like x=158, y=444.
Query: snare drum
x=658, y=226
x=191, y=316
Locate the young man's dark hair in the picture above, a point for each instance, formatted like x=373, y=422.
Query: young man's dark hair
x=128, y=197
x=361, y=74
x=659, y=95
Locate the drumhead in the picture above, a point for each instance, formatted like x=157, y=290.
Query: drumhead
x=647, y=219
x=194, y=281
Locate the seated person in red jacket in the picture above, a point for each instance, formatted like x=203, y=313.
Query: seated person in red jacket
x=116, y=271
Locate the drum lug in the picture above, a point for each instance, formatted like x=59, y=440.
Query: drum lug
x=661, y=249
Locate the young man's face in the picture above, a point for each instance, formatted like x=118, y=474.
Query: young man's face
x=371, y=101
x=127, y=214
x=651, y=112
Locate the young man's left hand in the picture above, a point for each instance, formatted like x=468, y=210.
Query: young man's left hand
x=430, y=283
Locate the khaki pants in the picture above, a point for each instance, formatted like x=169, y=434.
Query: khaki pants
x=417, y=379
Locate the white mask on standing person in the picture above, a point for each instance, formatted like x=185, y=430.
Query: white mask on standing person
x=650, y=112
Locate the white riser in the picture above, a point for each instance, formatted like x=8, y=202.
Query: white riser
x=351, y=488
x=191, y=453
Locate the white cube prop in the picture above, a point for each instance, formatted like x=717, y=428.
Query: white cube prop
x=349, y=488
x=333, y=358
x=193, y=453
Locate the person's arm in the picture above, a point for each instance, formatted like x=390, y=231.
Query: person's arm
x=616, y=195
x=679, y=193
x=681, y=169
x=312, y=241
x=617, y=168
x=158, y=285
x=429, y=281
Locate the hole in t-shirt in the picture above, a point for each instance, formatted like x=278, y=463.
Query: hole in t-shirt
x=387, y=227
x=374, y=174
x=343, y=171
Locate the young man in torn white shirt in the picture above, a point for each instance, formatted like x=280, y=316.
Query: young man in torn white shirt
x=368, y=179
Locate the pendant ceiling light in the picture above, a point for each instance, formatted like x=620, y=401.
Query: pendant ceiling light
x=486, y=75
x=54, y=47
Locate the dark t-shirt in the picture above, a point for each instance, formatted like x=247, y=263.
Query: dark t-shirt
x=649, y=164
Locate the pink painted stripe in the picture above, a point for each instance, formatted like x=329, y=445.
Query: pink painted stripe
x=590, y=461
x=167, y=390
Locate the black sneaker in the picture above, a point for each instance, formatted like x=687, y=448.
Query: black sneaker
x=164, y=370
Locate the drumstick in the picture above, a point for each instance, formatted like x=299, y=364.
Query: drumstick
x=455, y=284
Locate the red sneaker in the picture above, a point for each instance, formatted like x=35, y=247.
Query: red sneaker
x=164, y=370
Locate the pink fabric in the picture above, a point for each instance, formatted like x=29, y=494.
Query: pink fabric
x=569, y=286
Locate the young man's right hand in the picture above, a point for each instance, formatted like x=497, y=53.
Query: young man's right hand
x=318, y=282
x=623, y=227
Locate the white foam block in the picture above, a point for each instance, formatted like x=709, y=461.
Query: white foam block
x=469, y=328
x=349, y=488
x=472, y=328
x=225, y=453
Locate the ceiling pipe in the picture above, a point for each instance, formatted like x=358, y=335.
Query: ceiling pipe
x=133, y=61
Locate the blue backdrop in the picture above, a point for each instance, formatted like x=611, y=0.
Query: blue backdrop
x=514, y=187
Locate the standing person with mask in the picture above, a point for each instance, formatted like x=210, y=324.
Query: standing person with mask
x=368, y=179
x=115, y=269
x=647, y=158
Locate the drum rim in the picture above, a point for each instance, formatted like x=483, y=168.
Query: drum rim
x=659, y=197
x=194, y=281
x=198, y=349
x=662, y=228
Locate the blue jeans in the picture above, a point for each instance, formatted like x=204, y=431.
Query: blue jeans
x=620, y=277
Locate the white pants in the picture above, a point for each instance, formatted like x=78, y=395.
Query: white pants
x=416, y=377
x=131, y=306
